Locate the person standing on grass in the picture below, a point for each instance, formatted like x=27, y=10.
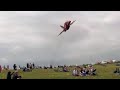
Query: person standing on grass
x=0, y=69
x=4, y=67
x=7, y=67
x=14, y=67
x=28, y=65
x=33, y=65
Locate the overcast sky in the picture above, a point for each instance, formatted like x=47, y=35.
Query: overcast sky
x=31, y=36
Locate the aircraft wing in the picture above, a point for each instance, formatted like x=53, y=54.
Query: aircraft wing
x=72, y=22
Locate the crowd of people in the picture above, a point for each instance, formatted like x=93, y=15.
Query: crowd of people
x=78, y=71
x=84, y=71
x=13, y=75
x=29, y=67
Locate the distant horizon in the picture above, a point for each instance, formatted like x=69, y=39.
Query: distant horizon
x=55, y=65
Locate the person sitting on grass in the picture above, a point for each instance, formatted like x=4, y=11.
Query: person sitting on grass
x=83, y=73
x=92, y=71
x=87, y=71
x=65, y=69
x=16, y=76
x=9, y=74
x=75, y=72
x=81, y=70
x=27, y=69
x=117, y=70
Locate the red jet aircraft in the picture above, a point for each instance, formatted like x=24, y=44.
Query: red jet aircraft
x=66, y=26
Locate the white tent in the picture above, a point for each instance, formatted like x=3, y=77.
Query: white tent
x=113, y=60
x=103, y=62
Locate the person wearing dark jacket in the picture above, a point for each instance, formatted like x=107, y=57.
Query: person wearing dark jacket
x=14, y=67
x=9, y=74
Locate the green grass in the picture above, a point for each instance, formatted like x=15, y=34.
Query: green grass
x=103, y=72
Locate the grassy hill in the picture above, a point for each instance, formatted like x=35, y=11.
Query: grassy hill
x=103, y=72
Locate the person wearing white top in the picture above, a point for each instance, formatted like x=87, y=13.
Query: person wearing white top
x=75, y=72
